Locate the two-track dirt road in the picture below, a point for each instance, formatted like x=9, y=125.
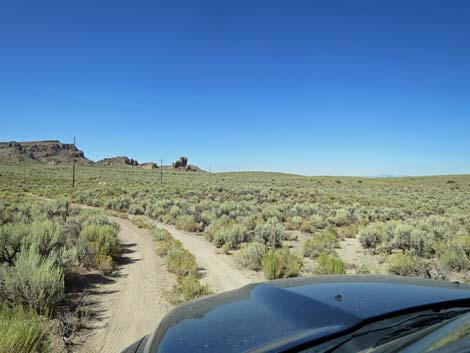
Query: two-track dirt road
x=219, y=270
x=134, y=302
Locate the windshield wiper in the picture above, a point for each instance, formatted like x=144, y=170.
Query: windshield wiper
x=403, y=327
x=417, y=323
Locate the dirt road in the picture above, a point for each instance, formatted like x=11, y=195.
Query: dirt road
x=133, y=303
x=219, y=271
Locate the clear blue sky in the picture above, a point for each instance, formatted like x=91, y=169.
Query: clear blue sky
x=313, y=87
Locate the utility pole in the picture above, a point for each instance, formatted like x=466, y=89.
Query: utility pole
x=210, y=175
x=161, y=170
x=73, y=164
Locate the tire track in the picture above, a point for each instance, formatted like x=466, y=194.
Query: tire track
x=134, y=304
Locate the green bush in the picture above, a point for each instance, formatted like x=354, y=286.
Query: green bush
x=187, y=223
x=12, y=236
x=280, y=263
x=251, y=255
x=318, y=222
x=233, y=235
x=451, y=255
x=295, y=222
x=181, y=262
x=402, y=236
x=104, y=239
x=372, y=235
x=329, y=265
x=34, y=280
x=403, y=264
x=421, y=243
x=160, y=234
x=324, y=242
x=46, y=236
x=22, y=330
x=190, y=287
x=342, y=218
x=270, y=233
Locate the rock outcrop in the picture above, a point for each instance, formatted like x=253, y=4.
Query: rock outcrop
x=118, y=161
x=182, y=164
x=52, y=151
x=148, y=165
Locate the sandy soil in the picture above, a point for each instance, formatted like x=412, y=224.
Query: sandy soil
x=132, y=303
x=353, y=253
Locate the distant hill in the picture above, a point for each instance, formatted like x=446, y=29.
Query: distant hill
x=50, y=151
x=118, y=161
x=56, y=152
x=122, y=161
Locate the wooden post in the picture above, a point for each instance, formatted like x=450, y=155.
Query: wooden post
x=73, y=164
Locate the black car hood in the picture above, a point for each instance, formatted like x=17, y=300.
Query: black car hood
x=287, y=313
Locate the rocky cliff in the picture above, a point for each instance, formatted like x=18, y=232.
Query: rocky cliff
x=52, y=151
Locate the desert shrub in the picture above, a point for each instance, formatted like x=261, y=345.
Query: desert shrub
x=103, y=238
x=220, y=236
x=271, y=211
x=136, y=208
x=211, y=229
x=239, y=235
x=166, y=243
x=324, y=242
x=190, y=287
x=371, y=235
x=141, y=223
x=187, y=223
x=167, y=218
x=451, y=256
x=389, y=232
x=251, y=255
x=329, y=265
x=280, y=263
x=181, y=262
x=22, y=330
x=33, y=280
x=233, y=235
x=72, y=228
x=86, y=254
x=103, y=263
x=12, y=236
x=45, y=237
x=402, y=236
x=160, y=234
x=270, y=233
x=421, y=243
x=175, y=211
x=464, y=242
x=318, y=222
x=349, y=231
x=405, y=264
x=342, y=218
x=295, y=222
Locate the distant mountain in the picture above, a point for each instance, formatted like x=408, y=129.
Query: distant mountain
x=384, y=176
x=51, y=151
x=56, y=152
